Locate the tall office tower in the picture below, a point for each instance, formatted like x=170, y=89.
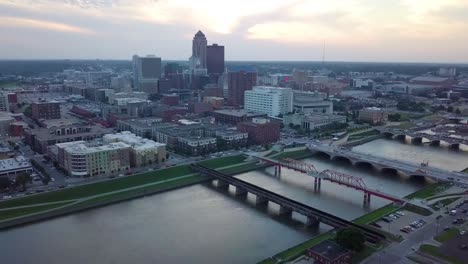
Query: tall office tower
x=199, y=49
x=299, y=78
x=239, y=81
x=215, y=59
x=146, y=73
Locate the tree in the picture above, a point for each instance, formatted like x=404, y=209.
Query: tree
x=450, y=109
x=28, y=111
x=458, y=112
x=394, y=117
x=351, y=238
x=23, y=179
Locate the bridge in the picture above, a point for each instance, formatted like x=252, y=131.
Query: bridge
x=287, y=206
x=385, y=164
x=328, y=175
x=417, y=137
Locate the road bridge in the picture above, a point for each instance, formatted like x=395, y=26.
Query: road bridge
x=385, y=164
x=329, y=175
x=287, y=206
x=417, y=137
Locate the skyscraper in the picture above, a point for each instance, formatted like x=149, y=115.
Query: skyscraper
x=146, y=73
x=199, y=49
x=215, y=59
x=239, y=81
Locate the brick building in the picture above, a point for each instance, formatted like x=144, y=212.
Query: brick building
x=261, y=131
x=328, y=252
x=45, y=110
x=235, y=116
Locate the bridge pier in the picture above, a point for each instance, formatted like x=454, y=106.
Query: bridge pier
x=312, y=221
x=285, y=211
x=260, y=200
x=435, y=143
x=278, y=170
x=240, y=192
x=222, y=185
x=317, y=183
x=455, y=146
x=416, y=140
x=367, y=198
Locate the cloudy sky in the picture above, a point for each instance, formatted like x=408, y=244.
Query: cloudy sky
x=352, y=30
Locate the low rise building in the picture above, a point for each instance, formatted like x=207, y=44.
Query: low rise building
x=13, y=166
x=312, y=120
x=195, y=145
x=40, y=138
x=328, y=252
x=143, y=151
x=80, y=159
x=261, y=131
x=235, y=116
x=373, y=115
x=312, y=102
x=142, y=127
x=45, y=110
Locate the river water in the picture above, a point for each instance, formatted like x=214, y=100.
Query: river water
x=199, y=224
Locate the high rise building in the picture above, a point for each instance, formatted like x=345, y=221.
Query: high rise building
x=199, y=49
x=239, y=81
x=215, y=59
x=146, y=73
x=273, y=101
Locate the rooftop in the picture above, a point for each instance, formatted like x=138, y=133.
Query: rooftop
x=19, y=162
x=238, y=112
x=329, y=249
x=429, y=79
x=81, y=147
x=136, y=142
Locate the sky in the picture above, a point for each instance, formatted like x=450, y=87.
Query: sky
x=252, y=30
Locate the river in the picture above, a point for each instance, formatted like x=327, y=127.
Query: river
x=199, y=224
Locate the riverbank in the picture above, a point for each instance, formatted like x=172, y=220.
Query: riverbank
x=44, y=206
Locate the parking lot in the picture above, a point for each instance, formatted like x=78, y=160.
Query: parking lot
x=401, y=221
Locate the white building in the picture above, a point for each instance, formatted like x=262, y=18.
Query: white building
x=82, y=160
x=12, y=167
x=272, y=101
x=312, y=121
x=312, y=102
x=143, y=151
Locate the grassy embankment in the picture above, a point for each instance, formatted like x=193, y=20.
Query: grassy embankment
x=148, y=182
x=447, y=235
x=443, y=203
x=436, y=252
x=362, y=135
x=298, y=250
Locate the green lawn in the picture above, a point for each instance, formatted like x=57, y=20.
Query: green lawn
x=429, y=191
x=375, y=215
x=404, y=125
x=444, y=202
x=99, y=187
x=297, y=250
x=363, y=135
x=447, y=235
x=241, y=168
x=26, y=211
x=435, y=251
x=7, y=84
x=298, y=154
x=223, y=162
x=417, y=209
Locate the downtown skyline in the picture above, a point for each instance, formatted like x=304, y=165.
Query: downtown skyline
x=388, y=31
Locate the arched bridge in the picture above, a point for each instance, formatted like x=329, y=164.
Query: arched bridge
x=287, y=206
x=418, y=137
x=380, y=163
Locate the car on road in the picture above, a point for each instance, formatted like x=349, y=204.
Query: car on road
x=388, y=220
x=376, y=225
x=404, y=230
x=462, y=232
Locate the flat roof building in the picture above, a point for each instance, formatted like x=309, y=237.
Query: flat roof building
x=273, y=101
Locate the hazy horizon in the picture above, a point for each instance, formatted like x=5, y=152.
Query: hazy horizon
x=404, y=31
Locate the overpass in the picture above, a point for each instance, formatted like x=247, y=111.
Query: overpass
x=329, y=175
x=287, y=206
x=382, y=164
x=417, y=137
